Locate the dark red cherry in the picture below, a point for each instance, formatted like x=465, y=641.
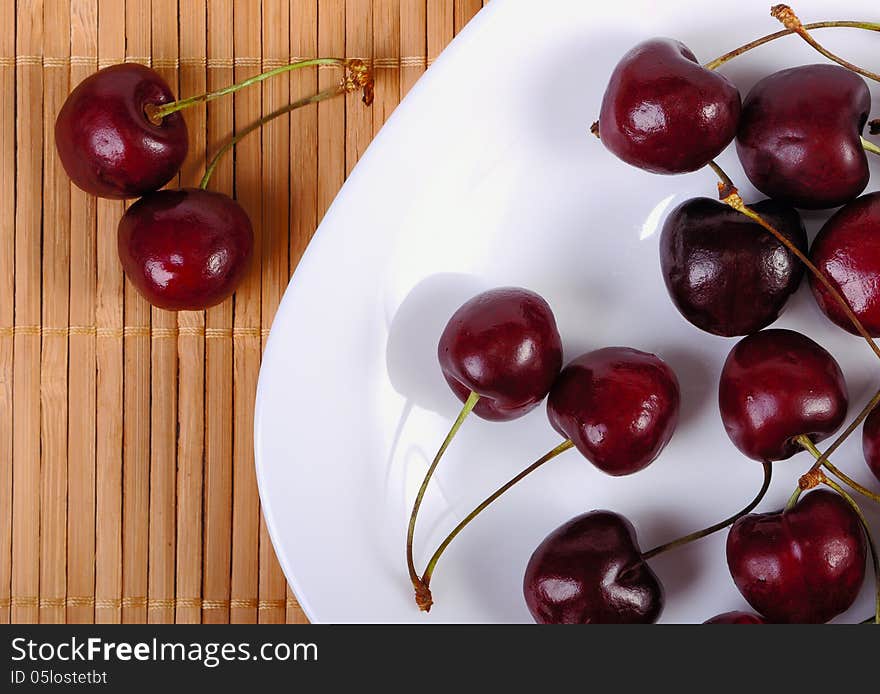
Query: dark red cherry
x=736, y=618
x=777, y=385
x=590, y=571
x=185, y=249
x=106, y=142
x=503, y=345
x=724, y=272
x=805, y=565
x=618, y=405
x=798, y=137
x=847, y=251
x=871, y=441
x=663, y=112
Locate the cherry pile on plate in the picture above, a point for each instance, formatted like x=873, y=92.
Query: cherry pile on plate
x=730, y=268
x=120, y=135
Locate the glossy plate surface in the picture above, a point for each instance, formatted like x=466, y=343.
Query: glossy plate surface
x=487, y=175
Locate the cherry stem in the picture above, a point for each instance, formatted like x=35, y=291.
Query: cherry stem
x=768, y=472
x=810, y=481
x=432, y=563
x=728, y=194
x=287, y=108
x=869, y=146
x=718, y=62
x=157, y=112
x=421, y=595
x=874, y=126
x=875, y=559
x=790, y=21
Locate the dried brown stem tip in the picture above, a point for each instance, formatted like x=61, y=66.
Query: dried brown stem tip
x=424, y=599
x=811, y=479
x=787, y=16
x=874, y=126
x=594, y=128
x=358, y=75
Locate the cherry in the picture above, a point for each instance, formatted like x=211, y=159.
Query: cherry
x=736, y=617
x=777, y=385
x=724, y=272
x=107, y=143
x=590, y=571
x=802, y=565
x=799, y=138
x=663, y=112
x=871, y=441
x=618, y=405
x=847, y=251
x=185, y=249
x=503, y=345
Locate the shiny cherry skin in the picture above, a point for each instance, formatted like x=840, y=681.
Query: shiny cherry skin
x=106, y=142
x=847, y=251
x=503, y=345
x=798, y=137
x=736, y=617
x=724, y=272
x=803, y=566
x=663, y=112
x=618, y=405
x=590, y=571
x=871, y=441
x=775, y=386
x=185, y=249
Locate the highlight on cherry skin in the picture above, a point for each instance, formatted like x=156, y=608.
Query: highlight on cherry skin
x=185, y=249
x=724, y=273
x=590, y=571
x=618, y=405
x=664, y=112
x=804, y=565
x=871, y=442
x=799, y=137
x=502, y=344
x=106, y=142
x=847, y=251
x=775, y=386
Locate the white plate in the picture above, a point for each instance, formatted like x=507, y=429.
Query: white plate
x=486, y=175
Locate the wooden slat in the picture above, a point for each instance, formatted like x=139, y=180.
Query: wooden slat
x=464, y=11
x=28, y=273
x=109, y=556
x=136, y=517
x=413, y=40
x=331, y=114
x=440, y=26
x=191, y=342
x=56, y=284
x=358, y=43
x=275, y=222
x=82, y=385
x=218, y=351
x=246, y=348
x=7, y=300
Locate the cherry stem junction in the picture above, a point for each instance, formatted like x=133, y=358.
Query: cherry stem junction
x=728, y=194
x=718, y=62
x=432, y=563
x=157, y=112
x=423, y=595
x=875, y=559
x=809, y=480
x=790, y=21
x=699, y=534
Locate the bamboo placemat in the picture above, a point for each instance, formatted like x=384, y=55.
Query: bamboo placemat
x=127, y=486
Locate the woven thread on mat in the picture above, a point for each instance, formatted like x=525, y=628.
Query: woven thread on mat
x=267, y=63
x=134, y=331
x=152, y=603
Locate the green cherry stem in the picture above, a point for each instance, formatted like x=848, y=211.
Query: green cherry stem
x=790, y=21
x=157, y=113
x=875, y=559
x=432, y=563
x=699, y=534
x=728, y=194
x=718, y=62
x=287, y=108
x=869, y=146
x=423, y=596
x=808, y=445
